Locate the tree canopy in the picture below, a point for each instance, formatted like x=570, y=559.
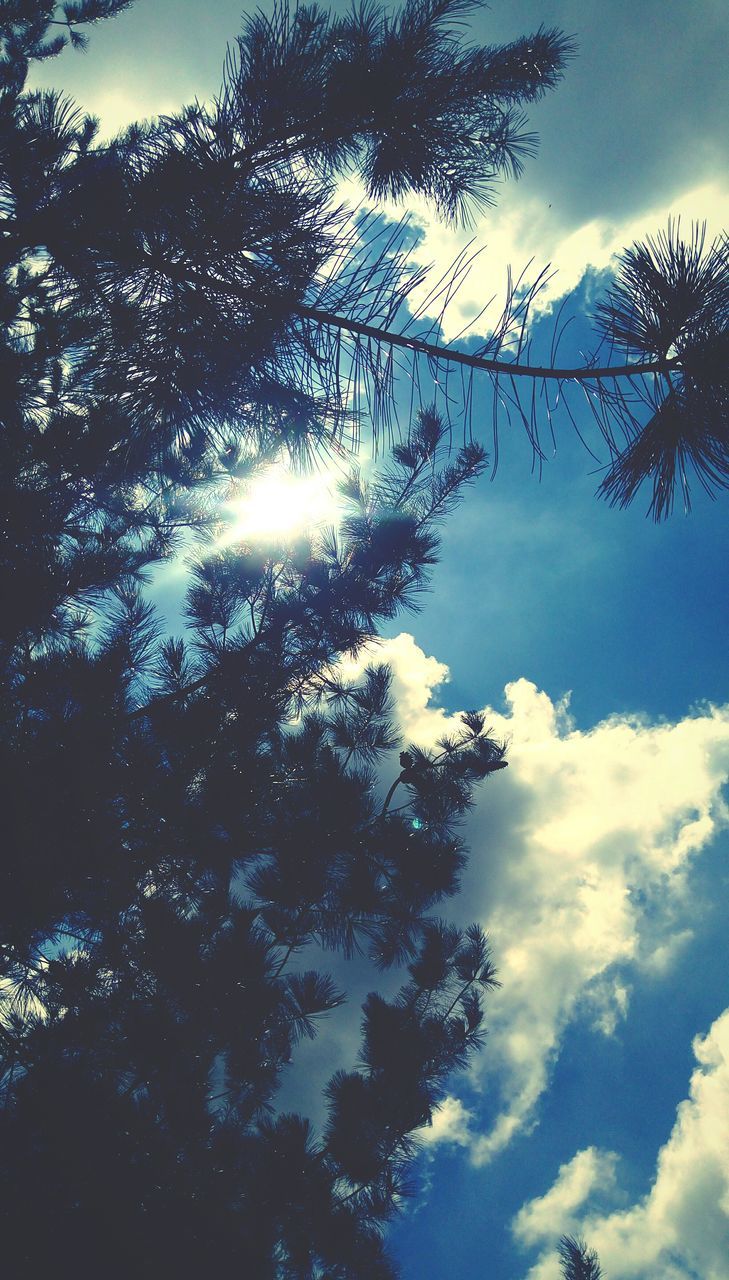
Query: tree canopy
x=219, y=289
x=189, y=820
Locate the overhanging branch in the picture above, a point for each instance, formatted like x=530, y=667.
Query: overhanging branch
x=435, y=351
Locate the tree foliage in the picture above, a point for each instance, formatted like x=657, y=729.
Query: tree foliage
x=192, y=819
x=215, y=281
x=189, y=820
x=188, y=817
x=670, y=303
x=577, y=1260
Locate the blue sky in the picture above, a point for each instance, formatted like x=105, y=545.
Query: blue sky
x=598, y=640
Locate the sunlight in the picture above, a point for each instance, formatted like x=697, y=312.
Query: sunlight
x=281, y=505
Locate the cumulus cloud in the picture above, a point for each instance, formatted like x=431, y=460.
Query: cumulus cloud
x=589, y=1171
x=580, y=866
x=680, y=1229
x=522, y=236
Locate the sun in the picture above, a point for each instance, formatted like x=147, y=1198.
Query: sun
x=280, y=505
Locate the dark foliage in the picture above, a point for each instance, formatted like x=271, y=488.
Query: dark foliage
x=175, y=260
x=670, y=303
x=194, y=278
x=578, y=1262
x=184, y=817
x=189, y=820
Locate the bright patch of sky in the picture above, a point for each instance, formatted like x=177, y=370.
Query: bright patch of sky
x=600, y=1102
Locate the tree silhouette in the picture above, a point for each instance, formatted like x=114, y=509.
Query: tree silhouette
x=176, y=842
x=189, y=820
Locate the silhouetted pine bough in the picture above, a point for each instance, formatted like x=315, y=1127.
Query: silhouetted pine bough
x=183, y=817
x=577, y=1260
x=201, y=280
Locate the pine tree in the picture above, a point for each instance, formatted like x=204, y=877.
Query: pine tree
x=176, y=841
x=187, y=819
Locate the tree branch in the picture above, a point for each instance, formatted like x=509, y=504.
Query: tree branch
x=435, y=351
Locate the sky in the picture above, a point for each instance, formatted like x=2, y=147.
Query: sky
x=597, y=642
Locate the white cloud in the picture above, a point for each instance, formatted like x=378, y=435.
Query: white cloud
x=680, y=1229
x=415, y=679
x=452, y=1123
x=607, y=1001
x=580, y=862
x=521, y=235
x=558, y=1211
x=522, y=231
